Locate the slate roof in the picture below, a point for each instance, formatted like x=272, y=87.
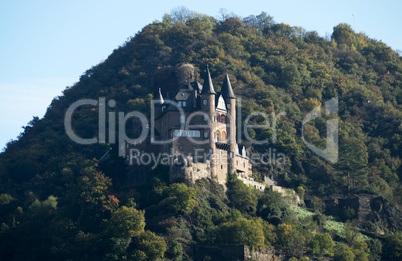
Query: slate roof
x=227, y=91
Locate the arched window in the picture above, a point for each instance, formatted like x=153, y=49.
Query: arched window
x=217, y=118
x=224, y=136
x=223, y=118
x=218, y=136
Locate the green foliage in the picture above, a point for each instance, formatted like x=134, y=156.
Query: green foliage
x=393, y=247
x=322, y=245
x=180, y=198
x=6, y=199
x=174, y=251
x=272, y=205
x=343, y=253
x=148, y=246
x=126, y=222
x=375, y=247
x=241, y=196
x=291, y=239
x=241, y=231
x=56, y=203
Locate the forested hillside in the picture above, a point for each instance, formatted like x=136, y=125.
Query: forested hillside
x=58, y=202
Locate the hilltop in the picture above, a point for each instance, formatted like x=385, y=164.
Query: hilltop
x=59, y=202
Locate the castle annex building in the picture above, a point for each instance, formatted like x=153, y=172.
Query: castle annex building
x=197, y=130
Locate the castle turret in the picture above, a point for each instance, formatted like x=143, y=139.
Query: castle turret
x=159, y=102
x=230, y=100
x=159, y=98
x=208, y=106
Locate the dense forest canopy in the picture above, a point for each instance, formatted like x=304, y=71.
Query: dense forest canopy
x=58, y=202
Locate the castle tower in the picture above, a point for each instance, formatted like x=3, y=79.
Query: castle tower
x=230, y=100
x=208, y=106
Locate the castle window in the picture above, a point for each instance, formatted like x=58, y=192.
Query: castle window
x=228, y=105
x=224, y=136
x=180, y=133
x=211, y=151
x=205, y=102
x=244, y=164
x=231, y=155
x=193, y=148
x=194, y=133
x=205, y=117
x=221, y=166
x=218, y=136
x=181, y=118
x=181, y=147
x=182, y=103
x=221, y=153
x=223, y=118
x=205, y=134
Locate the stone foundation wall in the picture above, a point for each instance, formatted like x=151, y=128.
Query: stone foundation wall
x=250, y=181
x=185, y=170
x=289, y=194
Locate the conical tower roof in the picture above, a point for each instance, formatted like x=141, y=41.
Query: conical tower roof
x=208, y=87
x=227, y=91
x=159, y=98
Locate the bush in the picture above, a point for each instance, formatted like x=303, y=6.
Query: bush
x=343, y=253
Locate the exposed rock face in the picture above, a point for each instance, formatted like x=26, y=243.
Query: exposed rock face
x=169, y=78
x=241, y=252
x=385, y=215
x=184, y=73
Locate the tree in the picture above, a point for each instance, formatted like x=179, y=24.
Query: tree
x=343, y=253
x=343, y=35
x=241, y=232
x=180, y=198
x=360, y=250
x=393, y=246
x=322, y=245
x=148, y=246
x=353, y=162
x=271, y=205
x=290, y=239
x=241, y=197
x=125, y=222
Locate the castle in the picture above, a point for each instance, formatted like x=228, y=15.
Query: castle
x=197, y=130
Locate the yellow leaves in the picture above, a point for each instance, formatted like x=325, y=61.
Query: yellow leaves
x=284, y=230
x=309, y=104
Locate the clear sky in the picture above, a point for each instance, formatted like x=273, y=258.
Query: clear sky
x=46, y=45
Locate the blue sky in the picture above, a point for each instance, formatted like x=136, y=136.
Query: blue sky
x=46, y=45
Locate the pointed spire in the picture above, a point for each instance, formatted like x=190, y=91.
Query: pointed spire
x=227, y=91
x=208, y=87
x=159, y=98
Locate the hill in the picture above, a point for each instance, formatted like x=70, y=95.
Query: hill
x=59, y=202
